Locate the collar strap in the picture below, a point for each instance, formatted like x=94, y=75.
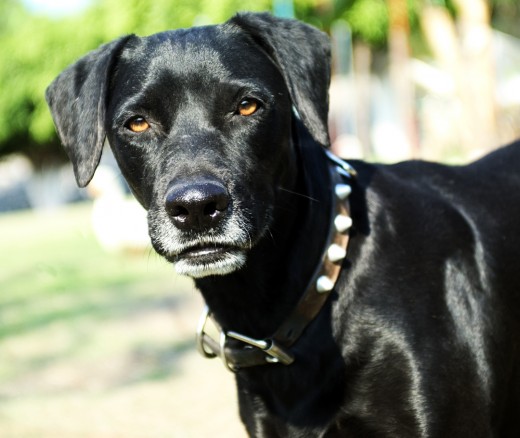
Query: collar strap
x=240, y=351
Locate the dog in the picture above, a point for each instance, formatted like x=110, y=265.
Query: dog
x=221, y=134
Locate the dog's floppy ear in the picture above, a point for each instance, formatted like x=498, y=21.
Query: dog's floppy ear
x=302, y=54
x=77, y=99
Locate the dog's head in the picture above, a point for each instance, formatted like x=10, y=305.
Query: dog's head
x=200, y=122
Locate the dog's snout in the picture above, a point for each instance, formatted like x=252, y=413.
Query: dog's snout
x=197, y=205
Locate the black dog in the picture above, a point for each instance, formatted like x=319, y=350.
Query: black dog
x=418, y=337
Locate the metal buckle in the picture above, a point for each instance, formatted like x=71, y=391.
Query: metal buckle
x=275, y=353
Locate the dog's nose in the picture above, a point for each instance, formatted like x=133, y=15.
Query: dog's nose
x=197, y=205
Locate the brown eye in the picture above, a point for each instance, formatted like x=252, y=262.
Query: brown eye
x=138, y=125
x=248, y=107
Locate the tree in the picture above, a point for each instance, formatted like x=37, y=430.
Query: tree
x=35, y=48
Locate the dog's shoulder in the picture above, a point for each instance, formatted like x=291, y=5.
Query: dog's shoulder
x=455, y=205
x=405, y=184
x=495, y=174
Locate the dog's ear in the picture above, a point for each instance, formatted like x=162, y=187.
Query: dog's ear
x=77, y=99
x=302, y=54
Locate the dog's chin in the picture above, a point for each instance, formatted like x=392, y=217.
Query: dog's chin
x=205, y=262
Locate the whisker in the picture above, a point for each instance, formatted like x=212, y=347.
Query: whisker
x=298, y=194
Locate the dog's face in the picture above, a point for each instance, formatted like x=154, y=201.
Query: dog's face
x=200, y=123
x=203, y=138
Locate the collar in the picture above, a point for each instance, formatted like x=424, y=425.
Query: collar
x=240, y=351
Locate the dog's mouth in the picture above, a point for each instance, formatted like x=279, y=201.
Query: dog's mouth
x=203, y=252
x=211, y=259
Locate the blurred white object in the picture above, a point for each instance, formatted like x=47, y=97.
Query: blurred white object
x=119, y=222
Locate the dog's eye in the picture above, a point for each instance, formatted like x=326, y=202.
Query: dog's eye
x=248, y=107
x=137, y=124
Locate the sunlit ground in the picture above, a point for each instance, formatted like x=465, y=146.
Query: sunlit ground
x=100, y=345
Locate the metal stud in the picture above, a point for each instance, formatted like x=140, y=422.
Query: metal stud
x=343, y=167
x=343, y=172
x=324, y=284
x=342, y=223
x=335, y=253
x=342, y=191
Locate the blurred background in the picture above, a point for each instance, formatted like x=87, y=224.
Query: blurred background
x=96, y=331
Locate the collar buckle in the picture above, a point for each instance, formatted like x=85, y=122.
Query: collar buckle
x=275, y=353
x=210, y=348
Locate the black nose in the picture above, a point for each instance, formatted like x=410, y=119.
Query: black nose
x=197, y=205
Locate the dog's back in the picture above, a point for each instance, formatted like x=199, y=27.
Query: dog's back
x=435, y=262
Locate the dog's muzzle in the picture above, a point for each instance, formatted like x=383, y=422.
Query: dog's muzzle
x=206, y=241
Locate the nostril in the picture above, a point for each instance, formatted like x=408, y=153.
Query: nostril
x=211, y=209
x=178, y=211
x=216, y=206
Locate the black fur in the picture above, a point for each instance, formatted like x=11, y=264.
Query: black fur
x=421, y=335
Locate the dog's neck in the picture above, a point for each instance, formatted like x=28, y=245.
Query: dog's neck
x=256, y=300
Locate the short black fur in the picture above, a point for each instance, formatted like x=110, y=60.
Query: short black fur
x=421, y=335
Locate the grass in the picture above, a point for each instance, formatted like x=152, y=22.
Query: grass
x=56, y=282
x=53, y=269
x=99, y=345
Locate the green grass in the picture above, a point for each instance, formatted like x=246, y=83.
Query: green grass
x=55, y=278
x=52, y=268
x=99, y=345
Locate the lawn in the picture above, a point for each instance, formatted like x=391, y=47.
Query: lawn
x=96, y=344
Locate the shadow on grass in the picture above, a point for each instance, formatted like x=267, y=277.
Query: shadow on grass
x=93, y=351
x=97, y=307
x=153, y=363
x=142, y=364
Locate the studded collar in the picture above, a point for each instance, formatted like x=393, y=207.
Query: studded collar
x=239, y=351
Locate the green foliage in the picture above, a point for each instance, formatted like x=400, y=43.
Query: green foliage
x=369, y=20
x=35, y=48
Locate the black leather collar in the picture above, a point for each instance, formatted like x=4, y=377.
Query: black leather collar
x=239, y=351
